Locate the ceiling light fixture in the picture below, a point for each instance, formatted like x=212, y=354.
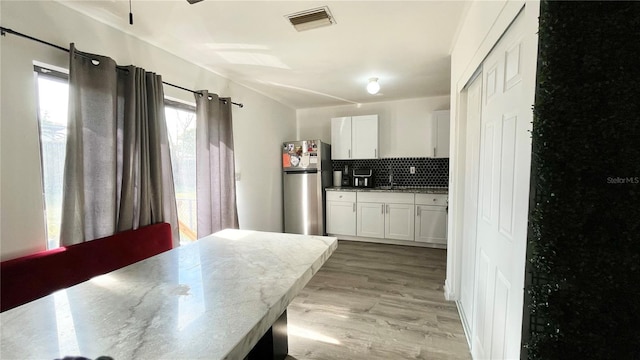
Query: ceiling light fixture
x=373, y=87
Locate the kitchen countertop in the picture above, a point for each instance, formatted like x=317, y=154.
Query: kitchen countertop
x=213, y=298
x=401, y=189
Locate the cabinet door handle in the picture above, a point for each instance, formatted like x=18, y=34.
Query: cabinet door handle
x=375, y=153
x=419, y=208
x=382, y=209
x=387, y=209
x=350, y=153
x=434, y=152
x=354, y=207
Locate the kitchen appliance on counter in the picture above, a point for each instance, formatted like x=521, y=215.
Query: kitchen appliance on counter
x=363, y=178
x=306, y=166
x=346, y=176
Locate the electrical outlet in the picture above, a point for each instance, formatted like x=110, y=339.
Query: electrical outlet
x=412, y=170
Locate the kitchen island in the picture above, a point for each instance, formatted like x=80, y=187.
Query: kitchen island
x=215, y=298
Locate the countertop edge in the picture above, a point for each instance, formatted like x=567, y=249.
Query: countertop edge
x=441, y=191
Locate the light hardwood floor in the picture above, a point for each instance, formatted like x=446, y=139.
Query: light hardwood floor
x=376, y=301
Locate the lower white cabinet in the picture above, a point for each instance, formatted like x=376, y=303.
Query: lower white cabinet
x=370, y=220
x=431, y=218
x=388, y=215
x=385, y=215
x=398, y=222
x=341, y=213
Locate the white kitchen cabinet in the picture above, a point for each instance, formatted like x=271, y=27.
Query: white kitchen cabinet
x=370, y=220
x=341, y=138
x=364, y=135
x=385, y=215
x=354, y=137
x=440, y=140
x=398, y=222
x=431, y=219
x=341, y=213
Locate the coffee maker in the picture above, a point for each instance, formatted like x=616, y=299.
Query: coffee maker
x=346, y=177
x=363, y=178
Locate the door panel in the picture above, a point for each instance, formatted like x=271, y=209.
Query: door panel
x=472, y=160
x=507, y=174
x=500, y=306
x=482, y=316
x=341, y=138
x=341, y=218
x=302, y=200
x=365, y=137
x=442, y=133
x=370, y=220
x=399, y=222
x=505, y=160
x=431, y=224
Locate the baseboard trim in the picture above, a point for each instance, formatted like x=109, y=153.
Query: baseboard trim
x=465, y=324
x=389, y=241
x=449, y=295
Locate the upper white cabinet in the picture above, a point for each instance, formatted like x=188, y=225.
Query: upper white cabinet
x=341, y=138
x=440, y=133
x=354, y=137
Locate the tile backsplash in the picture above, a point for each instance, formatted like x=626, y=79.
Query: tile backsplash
x=430, y=172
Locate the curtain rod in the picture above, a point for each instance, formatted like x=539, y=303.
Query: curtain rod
x=4, y=31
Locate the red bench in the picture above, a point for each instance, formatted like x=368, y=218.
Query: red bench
x=33, y=276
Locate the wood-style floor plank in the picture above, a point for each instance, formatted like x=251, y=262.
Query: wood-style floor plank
x=377, y=301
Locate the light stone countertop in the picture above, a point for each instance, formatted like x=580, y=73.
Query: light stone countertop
x=401, y=189
x=213, y=299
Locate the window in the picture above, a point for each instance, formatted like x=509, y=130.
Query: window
x=181, y=127
x=53, y=96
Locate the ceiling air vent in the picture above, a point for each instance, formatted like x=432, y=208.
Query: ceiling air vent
x=311, y=19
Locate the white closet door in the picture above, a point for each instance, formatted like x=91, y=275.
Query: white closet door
x=505, y=159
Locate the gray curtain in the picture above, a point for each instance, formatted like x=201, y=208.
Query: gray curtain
x=215, y=181
x=117, y=172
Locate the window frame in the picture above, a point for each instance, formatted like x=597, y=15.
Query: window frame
x=59, y=76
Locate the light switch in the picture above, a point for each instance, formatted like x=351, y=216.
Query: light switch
x=412, y=170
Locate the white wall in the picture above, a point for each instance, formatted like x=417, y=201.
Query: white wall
x=259, y=128
x=403, y=124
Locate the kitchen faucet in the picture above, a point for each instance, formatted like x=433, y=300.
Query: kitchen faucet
x=390, y=176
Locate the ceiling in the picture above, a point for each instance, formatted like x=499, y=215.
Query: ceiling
x=406, y=44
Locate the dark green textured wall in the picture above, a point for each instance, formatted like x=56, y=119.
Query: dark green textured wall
x=584, y=238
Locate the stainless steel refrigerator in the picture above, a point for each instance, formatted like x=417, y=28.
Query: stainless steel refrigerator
x=306, y=169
